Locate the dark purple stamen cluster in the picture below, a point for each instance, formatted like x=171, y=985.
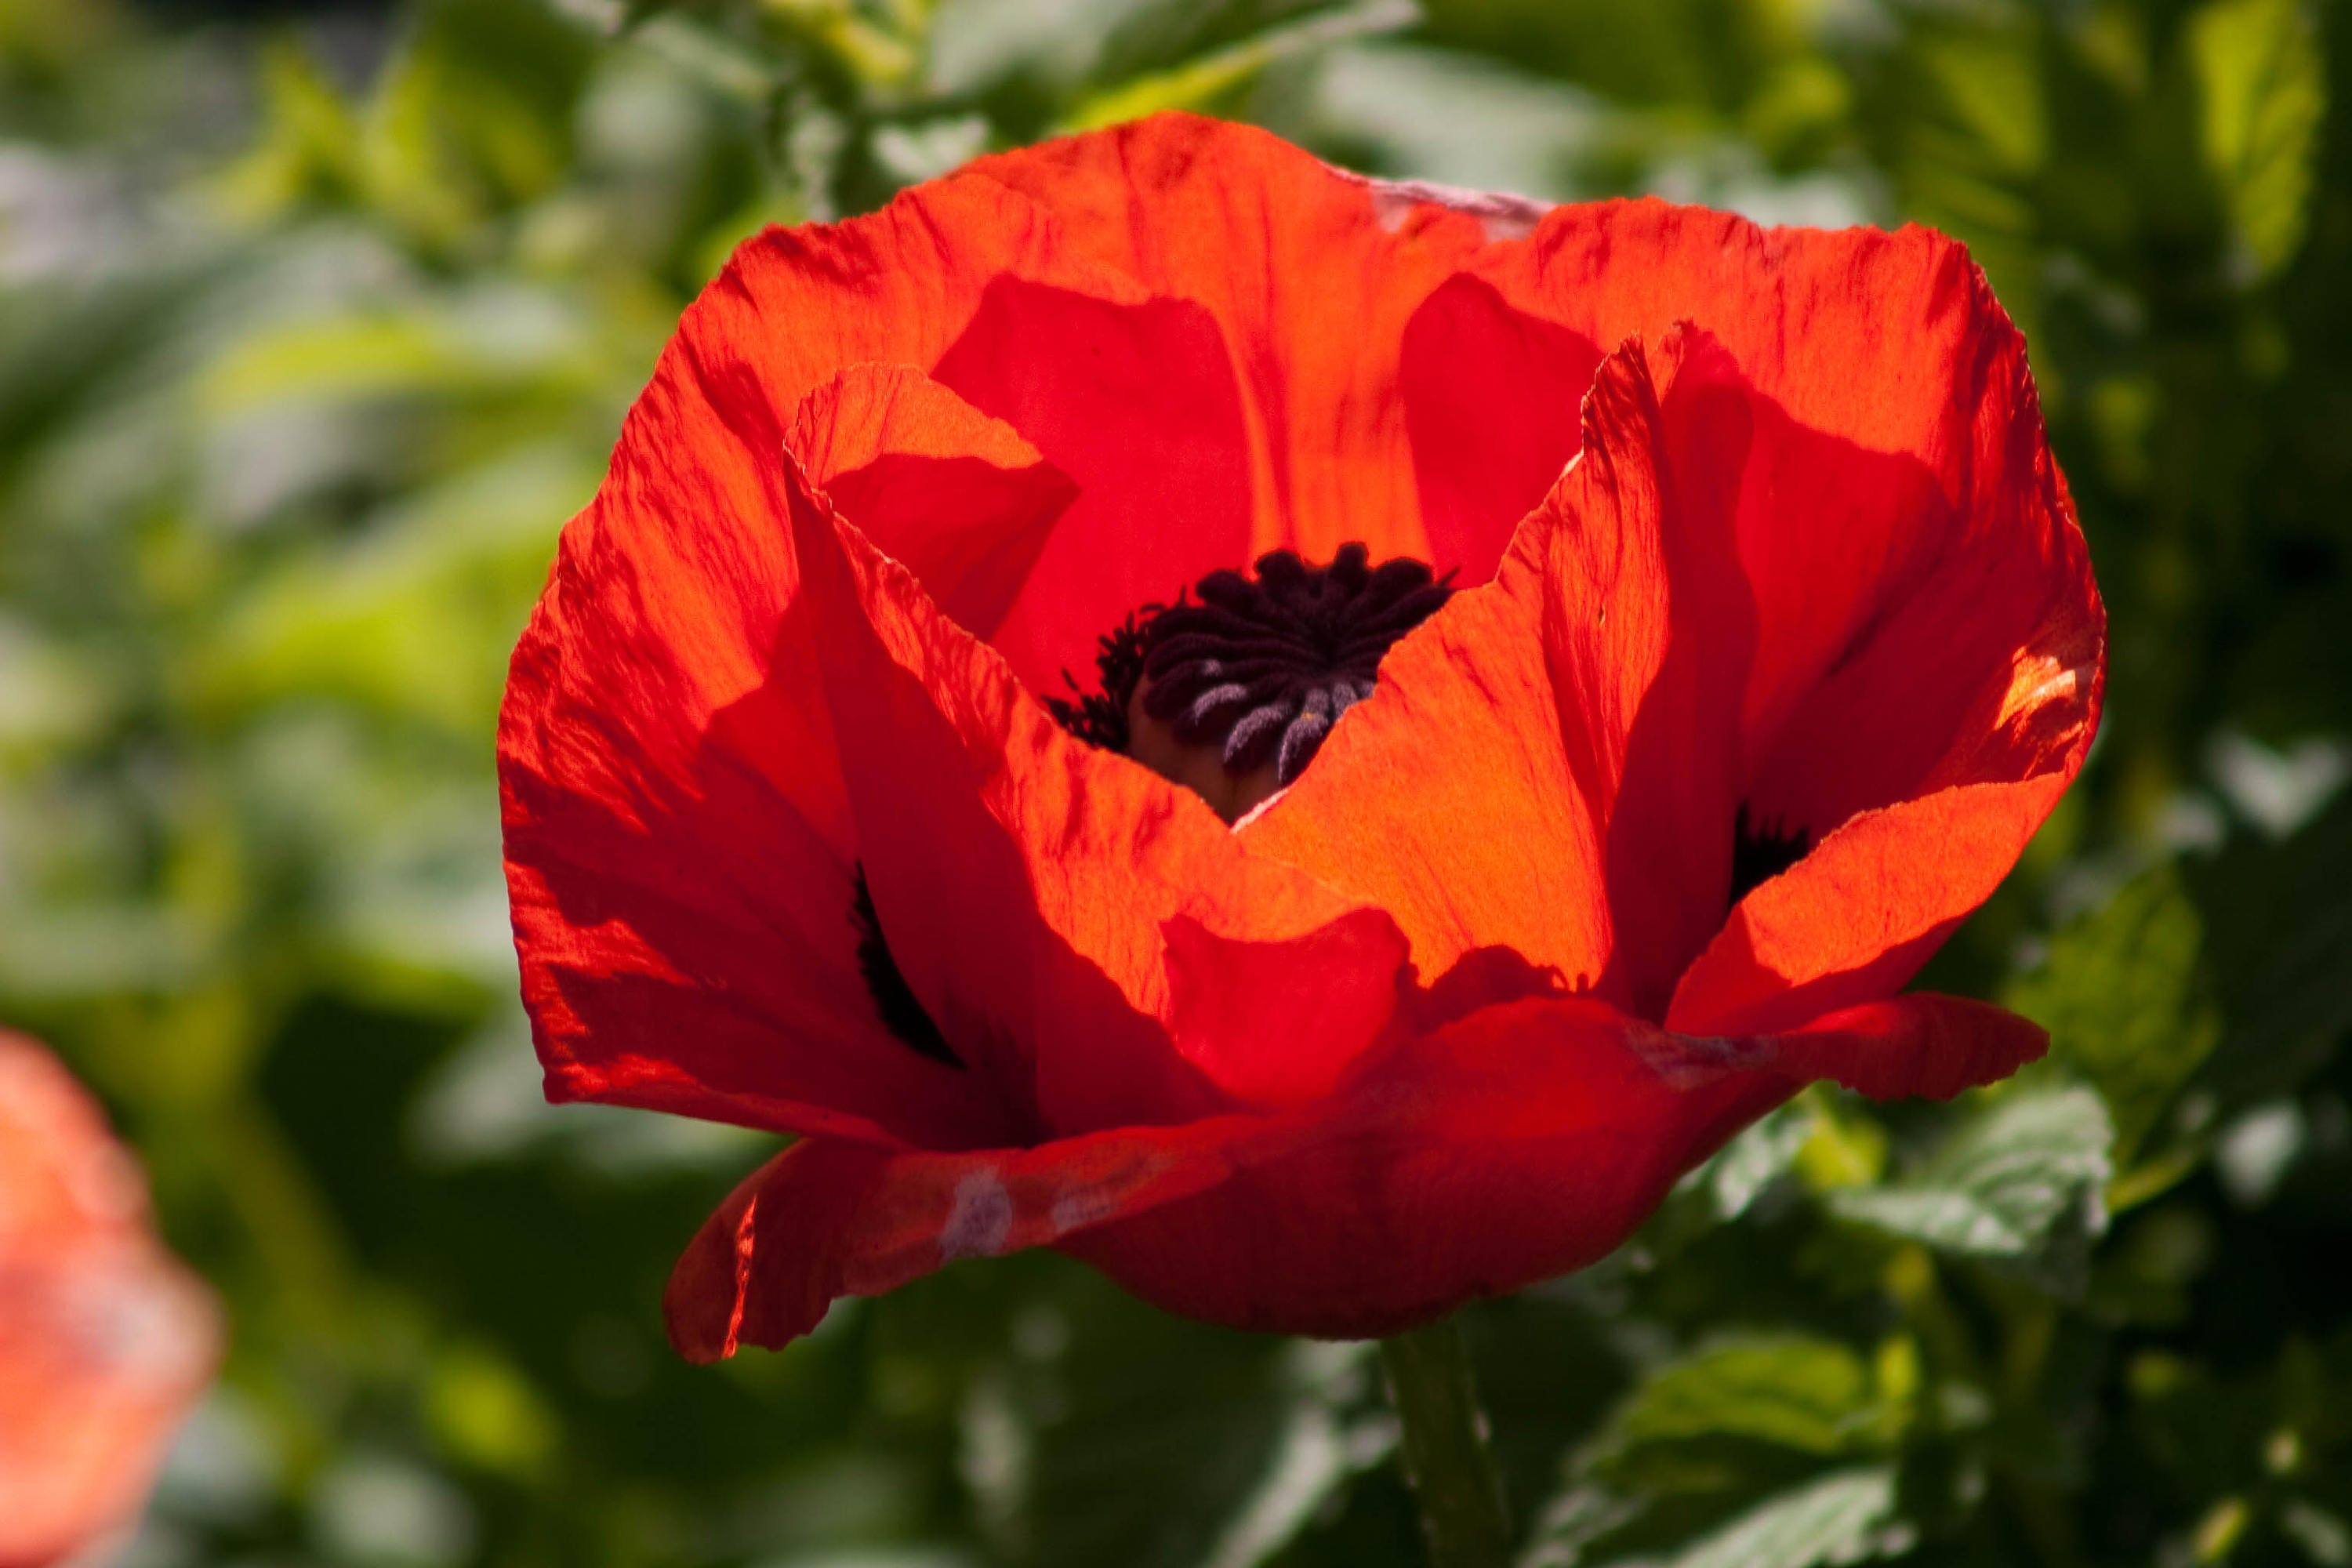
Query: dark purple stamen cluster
x=1099, y=718
x=1264, y=666
x=1260, y=666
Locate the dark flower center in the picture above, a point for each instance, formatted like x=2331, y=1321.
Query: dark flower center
x=1250, y=672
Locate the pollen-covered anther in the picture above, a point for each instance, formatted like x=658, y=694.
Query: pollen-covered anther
x=1231, y=690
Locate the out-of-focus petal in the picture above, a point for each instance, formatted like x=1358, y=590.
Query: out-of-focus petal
x=105, y=1341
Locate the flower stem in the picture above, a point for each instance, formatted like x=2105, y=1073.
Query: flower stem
x=1444, y=1449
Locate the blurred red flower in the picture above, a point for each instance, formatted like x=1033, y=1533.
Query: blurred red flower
x=105, y=1341
x=1677, y=766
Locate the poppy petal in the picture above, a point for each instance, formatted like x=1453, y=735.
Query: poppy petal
x=1923, y=1044
x=962, y=500
x=1856, y=918
x=1276, y=1024
x=1433, y=1174
x=1232, y=217
x=1944, y=636
x=826, y=1219
x=1132, y=396
x=1518, y=1144
x=1901, y=528
x=1446, y=798
x=680, y=856
x=1546, y=766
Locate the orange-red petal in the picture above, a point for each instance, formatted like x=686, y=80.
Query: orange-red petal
x=680, y=849
x=1856, y=918
x=1446, y=798
x=1314, y=277
x=963, y=502
x=1906, y=548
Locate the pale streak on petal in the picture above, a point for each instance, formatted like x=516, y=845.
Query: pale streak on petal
x=1502, y=216
x=979, y=1217
x=2038, y=680
x=1686, y=1061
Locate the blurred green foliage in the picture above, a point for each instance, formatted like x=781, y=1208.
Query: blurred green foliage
x=315, y=323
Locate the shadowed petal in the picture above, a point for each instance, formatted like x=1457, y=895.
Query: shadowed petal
x=1923, y=1045
x=962, y=500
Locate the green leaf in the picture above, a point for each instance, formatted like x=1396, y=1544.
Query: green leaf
x=1793, y=1391
x=2261, y=73
x=1200, y=81
x=2278, y=926
x=1848, y=1516
x=2128, y=1003
x=1150, y=1441
x=2004, y=1184
x=1990, y=85
x=1752, y=1162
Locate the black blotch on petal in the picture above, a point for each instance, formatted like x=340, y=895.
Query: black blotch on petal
x=1761, y=851
x=902, y=1010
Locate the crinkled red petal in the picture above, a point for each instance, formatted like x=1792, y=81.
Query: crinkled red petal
x=681, y=851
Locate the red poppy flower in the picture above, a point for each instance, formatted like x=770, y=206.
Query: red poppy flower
x=104, y=1340
x=906, y=753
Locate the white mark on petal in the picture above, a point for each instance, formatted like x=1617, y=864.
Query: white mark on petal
x=1686, y=1061
x=980, y=1218
x=1499, y=214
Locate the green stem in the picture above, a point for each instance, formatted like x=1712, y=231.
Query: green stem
x=1444, y=1449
